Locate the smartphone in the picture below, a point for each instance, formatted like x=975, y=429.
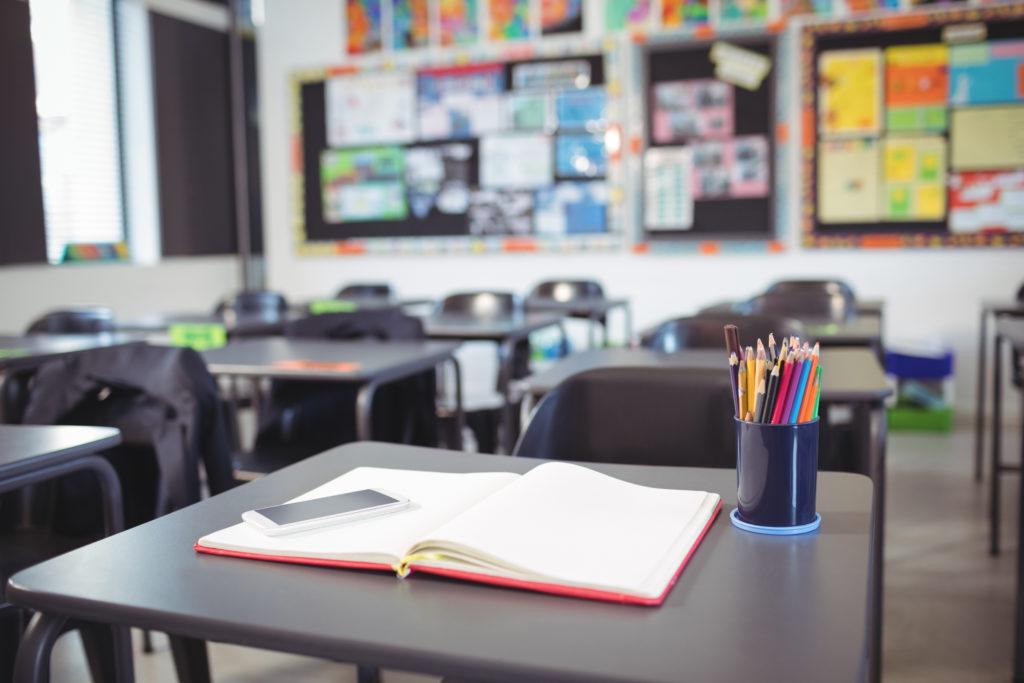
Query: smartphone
x=312, y=514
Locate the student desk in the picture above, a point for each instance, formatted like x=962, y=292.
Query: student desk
x=746, y=607
x=1010, y=331
x=234, y=325
x=850, y=376
x=989, y=310
x=367, y=363
x=593, y=309
x=506, y=332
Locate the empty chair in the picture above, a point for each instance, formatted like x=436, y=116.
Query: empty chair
x=812, y=286
x=483, y=304
x=366, y=290
x=642, y=416
x=85, y=320
x=263, y=303
x=817, y=306
x=568, y=290
x=705, y=331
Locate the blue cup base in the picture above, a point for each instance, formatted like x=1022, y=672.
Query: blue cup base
x=739, y=523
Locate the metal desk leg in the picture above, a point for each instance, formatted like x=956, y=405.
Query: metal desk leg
x=364, y=411
x=32, y=664
x=997, y=428
x=460, y=412
x=505, y=354
x=1018, y=649
x=109, y=650
x=979, y=402
x=878, y=430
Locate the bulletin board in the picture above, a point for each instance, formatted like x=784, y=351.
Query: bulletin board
x=708, y=166
x=489, y=155
x=913, y=129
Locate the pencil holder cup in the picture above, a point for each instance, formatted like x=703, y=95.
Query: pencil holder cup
x=776, y=477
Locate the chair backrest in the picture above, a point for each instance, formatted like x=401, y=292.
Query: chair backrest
x=705, y=331
x=382, y=324
x=568, y=290
x=806, y=305
x=643, y=416
x=813, y=286
x=366, y=290
x=1020, y=293
x=254, y=302
x=485, y=304
x=86, y=320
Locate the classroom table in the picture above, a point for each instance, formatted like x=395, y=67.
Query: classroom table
x=248, y=325
x=369, y=364
x=989, y=310
x=1011, y=331
x=506, y=332
x=850, y=376
x=746, y=607
x=594, y=309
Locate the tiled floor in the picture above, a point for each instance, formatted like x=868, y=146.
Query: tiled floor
x=948, y=610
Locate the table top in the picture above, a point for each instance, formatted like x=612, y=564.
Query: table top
x=585, y=307
x=468, y=327
x=746, y=607
x=33, y=348
x=24, y=448
x=860, y=330
x=326, y=359
x=235, y=325
x=848, y=374
x=870, y=306
x=1012, y=330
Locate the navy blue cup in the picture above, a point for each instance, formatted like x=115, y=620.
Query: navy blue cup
x=777, y=476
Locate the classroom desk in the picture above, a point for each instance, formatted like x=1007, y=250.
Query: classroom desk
x=1010, y=331
x=989, y=310
x=367, y=363
x=234, y=325
x=594, y=309
x=850, y=376
x=746, y=607
x=506, y=332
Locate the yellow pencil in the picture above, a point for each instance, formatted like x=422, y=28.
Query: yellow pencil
x=759, y=363
x=751, y=378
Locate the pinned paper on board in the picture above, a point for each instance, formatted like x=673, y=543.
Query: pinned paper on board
x=849, y=92
x=668, y=200
x=572, y=208
x=364, y=109
x=582, y=109
x=849, y=181
x=560, y=75
x=982, y=201
x=986, y=73
x=561, y=16
x=699, y=108
x=439, y=177
x=677, y=13
x=987, y=138
x=916, y=87
x=508, y=19
x=530, y=111
x=458, y=21
x=915, y=178
x=461, y=102
x=363, y=184
x=500, y=212
x=516, y=161
x=620, y=14
x=363, y=26
x=739, y=66
x=580, y=156
x=732, y=168
x=410, y=22
x=743, y=10
x=792, y=8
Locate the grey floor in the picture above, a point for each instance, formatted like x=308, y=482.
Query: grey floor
x=948, y=603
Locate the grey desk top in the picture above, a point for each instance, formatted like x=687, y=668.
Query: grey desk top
x=24, y=448
x=468, y=327
x=577, y=307
x=746, y=607
x=1012, y=330
x=33, y=348
x=848, y=374
x=235, y=325
x=860, y=330
x=364, y=360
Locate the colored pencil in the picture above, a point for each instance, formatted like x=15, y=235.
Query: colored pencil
x=732, y=341
x=759, y=400
x=771, y=348
x=817, y=398
x=780, y=399
x=741, y=389
x=791, y=385
x=808, y=401
x=751, y=379
x=781, y=365
x=732, y=347
x=769, y=397
x=801, y=388
x=759, y=362
x=734, y=370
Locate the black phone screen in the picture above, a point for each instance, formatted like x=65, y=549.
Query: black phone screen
x=290, y=513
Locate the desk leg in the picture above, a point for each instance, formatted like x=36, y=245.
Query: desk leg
x=629, y=325
x=979, y=401
x=109, y=650
x=506, y=351
x=364, y=411
x=1018, y=649
x=32, y=664
x=878, y=430
x=997, y=428
x=460, y=412
x=191, y=661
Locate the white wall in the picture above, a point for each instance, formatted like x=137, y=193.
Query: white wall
x=929, y=292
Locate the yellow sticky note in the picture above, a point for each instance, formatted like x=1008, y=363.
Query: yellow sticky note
x=931, y=202
x=899, y=162
x=850, y=92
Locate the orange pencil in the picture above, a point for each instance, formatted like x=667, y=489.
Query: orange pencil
x=807, y=407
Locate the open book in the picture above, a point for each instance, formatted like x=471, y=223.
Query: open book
x=559, y=528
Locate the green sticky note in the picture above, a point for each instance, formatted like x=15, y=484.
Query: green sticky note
x=198, y=336
x=12, y=353
x=935, y=118
x=899, y=201
x=321, y=306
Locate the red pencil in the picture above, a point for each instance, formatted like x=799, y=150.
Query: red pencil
x=780, y=398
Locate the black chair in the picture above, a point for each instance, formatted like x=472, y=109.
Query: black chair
x=85, y=320
x=482, y=304
x=568, y=290
x=807, y=305
x=366, y=290
x=705, y=331
x=642, y=416
x=261, y=303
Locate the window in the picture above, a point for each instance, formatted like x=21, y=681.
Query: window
x=76, y=101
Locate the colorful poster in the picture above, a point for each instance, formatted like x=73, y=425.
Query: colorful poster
x=668, y=201
x=915, y=178
x=986, y=73
x=850, y=92
x=849, y=181
x=458, y=22
x=410, y=22
x=580, y=156
x=857, y=6
x=792, y=8
x=699, y=108
x=555, y=75
x=530, y=111
x=743, y=10
x=561, y=16
x=369, y=109
x=916, y=87
x=677, y=13
x=986, y=201
x=731, y=168
x=509, y=19
x=439, y=177
x=987, y=138
x=363, y=184
x=572, y=208
x=500, y=212
x=363, y=26
x=519, y=161
x=582, y=109
x=460, y=102
x=620, y=14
